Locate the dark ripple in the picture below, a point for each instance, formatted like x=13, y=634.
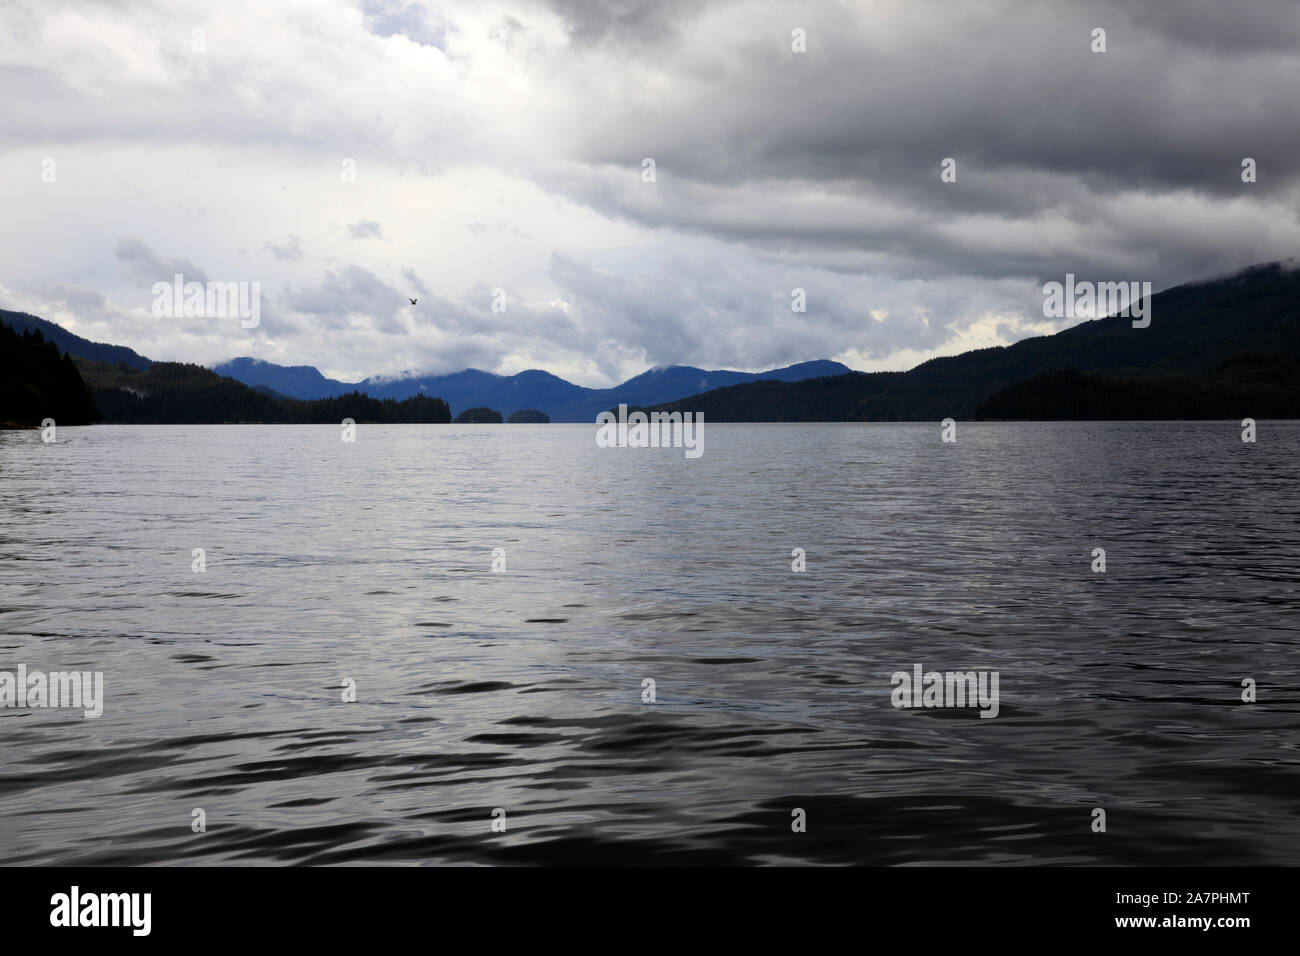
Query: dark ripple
x=1119, y=690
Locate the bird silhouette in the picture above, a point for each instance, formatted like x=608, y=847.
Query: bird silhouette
x=413, y=301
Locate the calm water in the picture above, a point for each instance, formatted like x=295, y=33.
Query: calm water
x=522, y=690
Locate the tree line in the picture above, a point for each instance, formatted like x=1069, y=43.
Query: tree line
x=179, y=393
x=37, y=382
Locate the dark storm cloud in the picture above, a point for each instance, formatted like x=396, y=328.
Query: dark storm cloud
x=1041, y=128
x=1227, y=28
x=502, y=145
x=999, y=86
x=623, y=22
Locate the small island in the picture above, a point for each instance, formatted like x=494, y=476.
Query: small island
x=479, y=416
x=529, y=416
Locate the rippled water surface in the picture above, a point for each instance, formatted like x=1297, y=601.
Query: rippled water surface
x=522, y=690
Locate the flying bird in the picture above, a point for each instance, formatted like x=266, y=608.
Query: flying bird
x=413, y=301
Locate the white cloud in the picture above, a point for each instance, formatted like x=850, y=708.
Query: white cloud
x=499, y=145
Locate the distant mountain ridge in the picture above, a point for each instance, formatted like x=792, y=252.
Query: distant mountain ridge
x=295, y=381
x=562, y=400
x=1220, y=348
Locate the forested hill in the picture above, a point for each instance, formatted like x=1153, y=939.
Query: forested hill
x=37, y=383
x=1224, y=348
x=173, y=393
x=70, y=342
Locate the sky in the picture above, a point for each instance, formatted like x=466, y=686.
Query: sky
x=348, y=155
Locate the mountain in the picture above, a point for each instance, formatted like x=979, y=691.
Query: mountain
x=658, y=384
x=1247, y=386
x=176, y=393
x=534, y=389
x=473, y=388
x=1223, y=348
x=67, y=342
x=293, y=381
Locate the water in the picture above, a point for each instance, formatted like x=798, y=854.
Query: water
x=522, y=690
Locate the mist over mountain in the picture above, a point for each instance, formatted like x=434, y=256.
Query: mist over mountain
x=294, y=381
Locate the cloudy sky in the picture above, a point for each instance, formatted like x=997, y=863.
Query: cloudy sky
x=500, y=146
